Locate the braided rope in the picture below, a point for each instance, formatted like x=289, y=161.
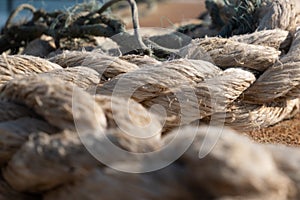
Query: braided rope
x=278, y=80
x=246, y=82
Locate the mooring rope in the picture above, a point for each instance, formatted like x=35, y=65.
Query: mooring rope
x=54, y=111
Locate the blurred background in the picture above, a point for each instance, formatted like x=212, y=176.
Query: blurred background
x=153, y=13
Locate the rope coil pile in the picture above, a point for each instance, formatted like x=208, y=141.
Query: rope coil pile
x=246, y=82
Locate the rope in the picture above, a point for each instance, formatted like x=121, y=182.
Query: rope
x=54, y=111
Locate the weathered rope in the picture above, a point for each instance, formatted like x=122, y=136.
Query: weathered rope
x=228, y=53
x=279, y=80
x=245, y=16
x=65, y=159
x=275, y=174
x=106, y=66
x=46, y=92
x=49, y=107
x=12, y=66
x=237, y=87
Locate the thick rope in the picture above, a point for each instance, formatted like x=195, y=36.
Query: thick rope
x=246, y=82
x=44, y=92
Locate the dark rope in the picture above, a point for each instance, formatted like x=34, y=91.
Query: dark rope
x=16, y=12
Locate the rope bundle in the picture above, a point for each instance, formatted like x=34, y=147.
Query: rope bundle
x=54, y=111
x=57, y=100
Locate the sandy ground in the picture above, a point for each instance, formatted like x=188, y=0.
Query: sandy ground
x=166, y=13
x=286, y=132
x=170, y=12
